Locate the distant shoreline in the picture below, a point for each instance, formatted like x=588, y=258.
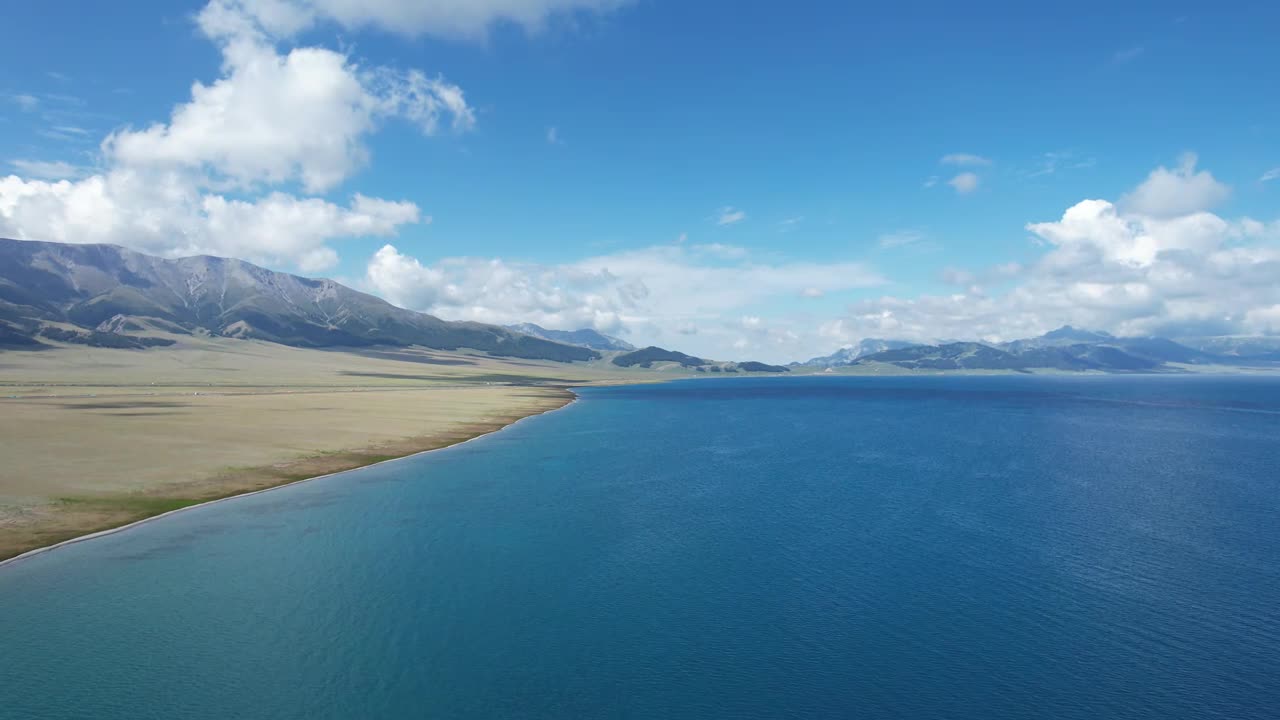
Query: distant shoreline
x=569, y=398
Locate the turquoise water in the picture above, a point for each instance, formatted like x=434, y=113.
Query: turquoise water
x=877, y=548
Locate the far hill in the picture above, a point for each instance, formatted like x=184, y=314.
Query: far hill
x=848, y=355
x=649, y=357
x=82, y=293
x=1066, y=348
x=753, y=366
x=1063, y=336
x=1237, y=347
x=952, y=356
x=585, y=337
x=646, y=357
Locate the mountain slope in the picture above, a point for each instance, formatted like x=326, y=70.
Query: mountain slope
x=951, y=356
x=848, y=355
x=1062, y=337
x=104, y=287
x=1066, y=348
x=586, y=337
x=1243, y=349
x=977, y=356
x=646, y=357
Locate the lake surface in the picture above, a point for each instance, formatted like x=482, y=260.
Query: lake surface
x=963, y=547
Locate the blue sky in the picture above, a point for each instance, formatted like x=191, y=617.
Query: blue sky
x=736, y=179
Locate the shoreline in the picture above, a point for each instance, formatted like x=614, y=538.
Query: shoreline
x=572, y=398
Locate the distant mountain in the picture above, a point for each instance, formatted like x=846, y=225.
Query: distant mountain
x=848, y=355
x=105, y=289
x=1239, y=348
x=753, y=366
x=586, y=337
x=951, y=356
x=646, y=357
x=1070, y=336
x=1066, y=348
x=1063, y=336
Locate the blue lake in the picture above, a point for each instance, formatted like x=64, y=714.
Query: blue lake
x=951, y=547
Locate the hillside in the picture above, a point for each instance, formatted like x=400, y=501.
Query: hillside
x=848, y=355
x=1067, y=349
x=585, y=337
x=45, y=287
x=646, y=357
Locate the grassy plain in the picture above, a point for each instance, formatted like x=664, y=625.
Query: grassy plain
x=93, y=438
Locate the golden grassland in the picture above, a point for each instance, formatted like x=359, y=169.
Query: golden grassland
x=92, y=439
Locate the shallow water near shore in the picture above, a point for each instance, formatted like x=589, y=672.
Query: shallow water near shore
x=961, y=547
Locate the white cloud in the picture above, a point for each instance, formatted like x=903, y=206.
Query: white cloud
x=931, y=181
x=1105, y=268
x=65, y=133
x=964, y=159
x=46, y=170
x=1051, y=162
x=1182, y=190
x=900, y=238
x=271, y=118
x=729, y=216
x=1272, y=174
x=964, y=183
x=719, y=250
x=26, y=103
x=553, y=136
x=167, y=214
x=652, y=295
x=442, y=18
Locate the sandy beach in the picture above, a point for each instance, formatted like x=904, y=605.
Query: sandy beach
x=94, y=439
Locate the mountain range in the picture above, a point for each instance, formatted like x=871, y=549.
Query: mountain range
x=104, y=294
x=848, y=355
x=587, y=338
x=107, y=296
x=1066, y=348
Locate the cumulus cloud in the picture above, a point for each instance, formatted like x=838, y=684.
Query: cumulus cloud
x=964, y=159
x=730, y=216
x=1109, y=268
x=644, y=294
x=273, y=118
x=166, y=214
x=1178, y=191
x=1103, y=265
x=441, y=18
x=207, y=179
x=964, y=183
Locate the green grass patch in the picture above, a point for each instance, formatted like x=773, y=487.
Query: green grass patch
x=145, y=505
